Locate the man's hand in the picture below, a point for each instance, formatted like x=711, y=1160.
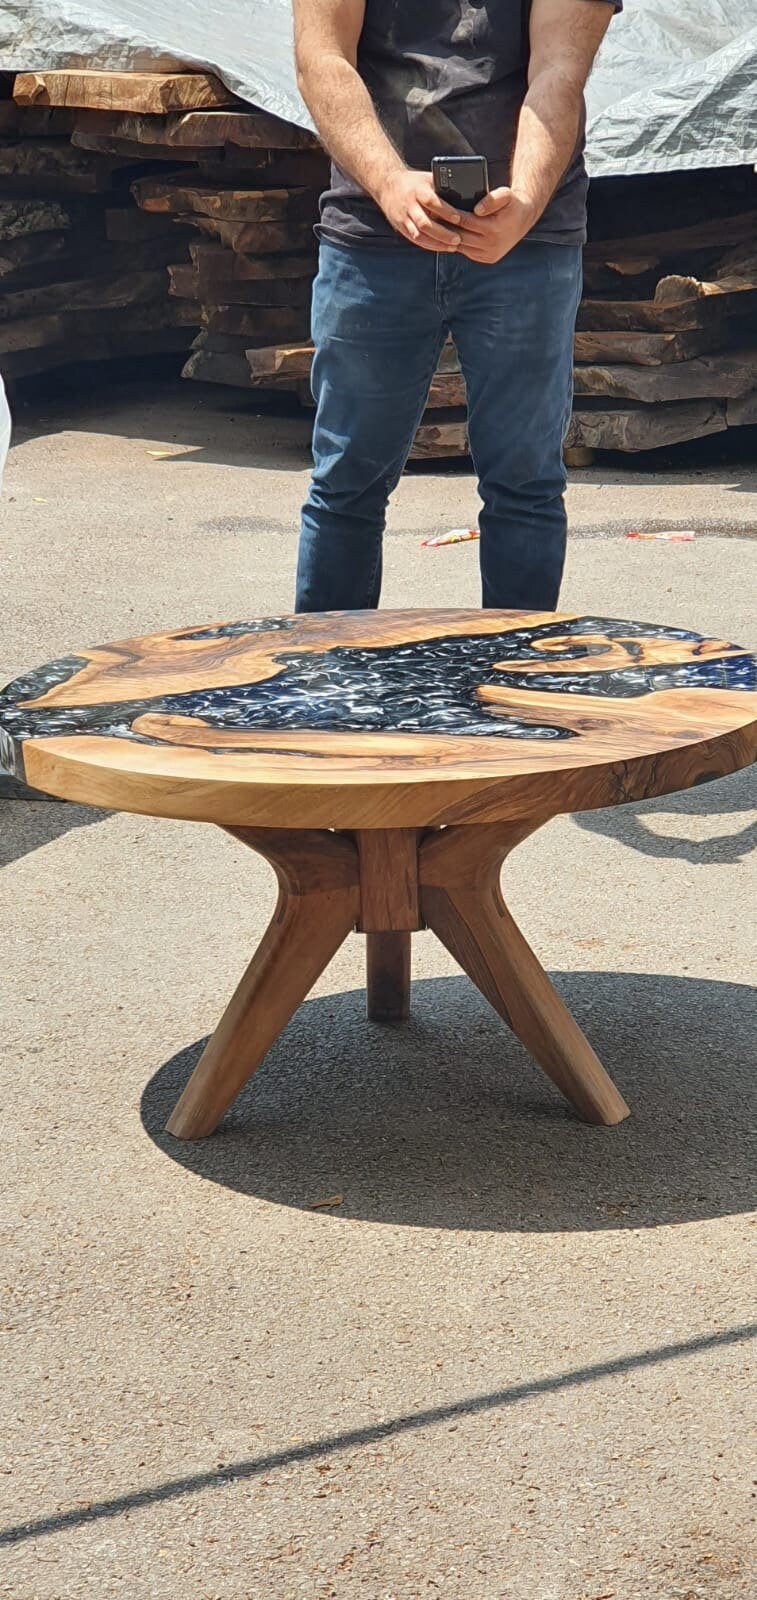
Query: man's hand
x=499, y=222
x=410, y=202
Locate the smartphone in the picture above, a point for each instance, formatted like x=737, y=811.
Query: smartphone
x=461, y=180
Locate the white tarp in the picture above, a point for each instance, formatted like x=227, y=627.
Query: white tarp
x=675, y=84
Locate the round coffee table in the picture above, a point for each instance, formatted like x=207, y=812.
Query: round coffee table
x=386, y=763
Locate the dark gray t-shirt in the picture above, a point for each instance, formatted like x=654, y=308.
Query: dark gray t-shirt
x=448, y=77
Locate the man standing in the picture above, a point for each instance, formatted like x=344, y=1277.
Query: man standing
x=391, y=84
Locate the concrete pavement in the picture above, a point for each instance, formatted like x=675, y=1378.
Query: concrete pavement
x=512, y=1364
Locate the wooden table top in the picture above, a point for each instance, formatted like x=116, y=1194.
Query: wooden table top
x=384, y=719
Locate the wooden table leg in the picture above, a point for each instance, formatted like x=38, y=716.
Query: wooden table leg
x=462, y=901
x=318, y=905
x=389, y=914
x=388, y=976
x=388, y=883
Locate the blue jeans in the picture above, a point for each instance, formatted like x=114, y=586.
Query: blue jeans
x=380, y=319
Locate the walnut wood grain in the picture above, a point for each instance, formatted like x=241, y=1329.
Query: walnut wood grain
x=646, y=349
x=407, y=753
x=330, y=883
x=192, y=130
x=188, y=282
x=727, y=375
x=317, y=907
x=644, y=427
x=256, y=238
x=231, y=205
x=144, y=92
x=387, y=976
x=462, y=901
x=214, y=262
x=536, y=712
x=388, y=880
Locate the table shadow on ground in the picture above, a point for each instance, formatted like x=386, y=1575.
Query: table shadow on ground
x=27, y=825
x=724, y=798
x=443, y=1121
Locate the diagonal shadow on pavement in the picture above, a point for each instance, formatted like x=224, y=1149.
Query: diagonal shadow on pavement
x=356, y=1438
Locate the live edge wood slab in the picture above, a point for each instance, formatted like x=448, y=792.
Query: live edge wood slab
x=386, y=763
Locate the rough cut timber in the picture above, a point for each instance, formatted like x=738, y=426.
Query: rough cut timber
x=216, y=263
x=665, y=327
x=30, y=250
x=257, y=323
x=50, y=166
x=245, y=128
x=93, y=293
x=641, y=252
x=146, y=92
x=742, y=413
x=36, y=333
x=218, y=359
x=127, y=225
x=679, y=303
x=257, y=238
x=127, y=151
x=734, y=273
x=728, y=375
x=645, y=427
x=188, y=282
x=649, y=316
x=447, y=391
x=232, y=205
x=117, y=345
x=18, y=217
x=35, y=122
x=260, y=169
x=210, y=364
x=293, y=362
x=646, y=349
x=87, y=255
x=440, y=435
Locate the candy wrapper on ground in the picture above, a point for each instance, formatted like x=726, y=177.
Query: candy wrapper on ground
x=455, y=536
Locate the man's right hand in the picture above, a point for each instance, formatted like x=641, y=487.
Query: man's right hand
x=410, y=202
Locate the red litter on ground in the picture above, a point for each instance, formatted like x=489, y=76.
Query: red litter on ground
x=670, y=535
x=455, y=536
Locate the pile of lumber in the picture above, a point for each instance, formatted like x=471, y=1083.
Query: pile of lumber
x=200, y=217
x=666, y=347
x=149, y=212
x=83, y=275
x=250, y=268
x=666, y=342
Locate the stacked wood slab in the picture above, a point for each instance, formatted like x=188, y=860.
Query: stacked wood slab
x=246, y=209
x=250, y=269
x=137, y=209
x=83, y=275
x=666, y=344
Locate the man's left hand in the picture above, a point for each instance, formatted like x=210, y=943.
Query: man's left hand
x=498, y=223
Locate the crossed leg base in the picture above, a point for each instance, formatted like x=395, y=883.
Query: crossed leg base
x=388, y=884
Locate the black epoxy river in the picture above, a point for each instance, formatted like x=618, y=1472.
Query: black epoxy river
x=427, y=686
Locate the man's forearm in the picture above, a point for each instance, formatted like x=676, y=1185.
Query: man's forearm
x=547, y=136
x=327, y=39
x=345, y=117
x=565, y=36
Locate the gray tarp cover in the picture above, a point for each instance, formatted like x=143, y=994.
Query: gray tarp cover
x=675, y=84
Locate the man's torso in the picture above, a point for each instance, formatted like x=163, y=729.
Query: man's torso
x=447, y=77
